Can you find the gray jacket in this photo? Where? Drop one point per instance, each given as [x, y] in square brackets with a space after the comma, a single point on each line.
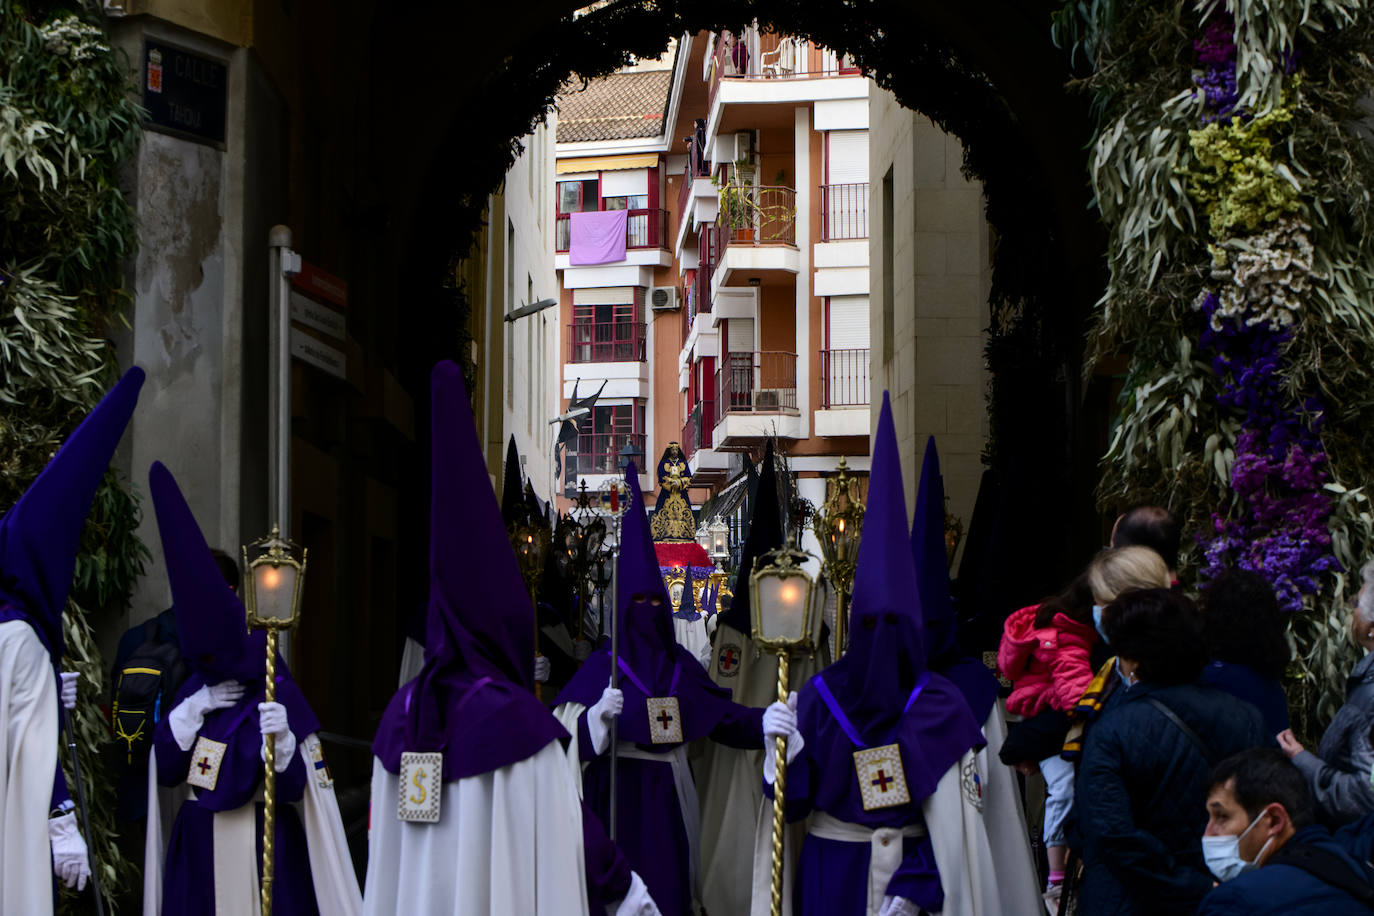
[1339, 773]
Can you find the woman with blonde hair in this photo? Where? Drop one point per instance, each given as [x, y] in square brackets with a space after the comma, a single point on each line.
[1115, 571]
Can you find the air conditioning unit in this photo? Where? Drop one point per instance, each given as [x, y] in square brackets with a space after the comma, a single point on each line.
[767, 398]
[744, 142]
[664, 298]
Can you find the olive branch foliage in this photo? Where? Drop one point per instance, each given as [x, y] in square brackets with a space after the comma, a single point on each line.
[1303, 68]
[67, 125]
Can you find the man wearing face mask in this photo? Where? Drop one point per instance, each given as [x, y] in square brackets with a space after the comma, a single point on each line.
[1264, 845]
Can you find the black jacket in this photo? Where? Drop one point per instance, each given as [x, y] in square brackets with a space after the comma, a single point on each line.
[1141, 797]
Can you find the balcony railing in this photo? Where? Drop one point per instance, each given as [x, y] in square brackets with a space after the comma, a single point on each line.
[696, 432]
[606, 342]
[762, 381]
[708, 251]
[844, 211]
[752, 55]
[844, 378]
[599, 453]
[697, 167]
[643, 229]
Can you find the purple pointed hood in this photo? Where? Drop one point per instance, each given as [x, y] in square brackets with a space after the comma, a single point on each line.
[472, 700]
[647, 645]
[687, 607]
[886, 653]
[40, 534]
[881, 685]
[212, 627]
[943, 651]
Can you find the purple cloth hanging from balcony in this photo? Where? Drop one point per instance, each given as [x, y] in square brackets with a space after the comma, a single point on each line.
[598, 237]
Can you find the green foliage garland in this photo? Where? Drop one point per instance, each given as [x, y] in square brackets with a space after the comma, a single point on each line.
[67, 124]
[1192, 200]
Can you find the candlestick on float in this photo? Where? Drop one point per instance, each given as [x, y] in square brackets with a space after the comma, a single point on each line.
[838, 526]
[786, 621]
[273, 580]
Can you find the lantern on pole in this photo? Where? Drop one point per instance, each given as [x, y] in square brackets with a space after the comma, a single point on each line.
[786, 621]
[272, 597]
[530, 541]
[838, 526]
[719, 533]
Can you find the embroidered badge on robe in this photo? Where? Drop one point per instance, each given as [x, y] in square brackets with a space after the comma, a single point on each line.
[323, 778]
[665, 720]
[728, 659]
[882, 781]
[421, 785]
[972, 783]
[206, 758]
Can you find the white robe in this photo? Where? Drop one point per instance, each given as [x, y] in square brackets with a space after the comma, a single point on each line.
[508, 841]
[730, 780]
[235, 846]
[28, 747]
[976, 831]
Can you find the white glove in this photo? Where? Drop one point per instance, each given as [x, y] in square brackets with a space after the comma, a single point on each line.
[899, 906]
[780, 721]
[600, 715]
[272, 721]
[69, 859]
[541, 668]
[69, 679]
[189, 715]
[582, 650]
[637, 901]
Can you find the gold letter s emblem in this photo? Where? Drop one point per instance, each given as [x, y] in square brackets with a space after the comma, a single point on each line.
[419, 775]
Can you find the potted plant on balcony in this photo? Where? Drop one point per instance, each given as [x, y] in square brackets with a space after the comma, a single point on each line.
[741, 208]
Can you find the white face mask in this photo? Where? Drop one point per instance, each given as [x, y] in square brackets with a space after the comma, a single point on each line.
[1222, 853]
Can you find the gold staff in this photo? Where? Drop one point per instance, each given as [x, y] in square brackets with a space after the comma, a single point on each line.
[785, 621]
[272, 596]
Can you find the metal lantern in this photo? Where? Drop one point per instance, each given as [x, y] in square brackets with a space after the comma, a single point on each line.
[631, 452]
[785, 620]
[273, 580]
[704, 537]
[838, 527]
[531, 545]
[720, 539]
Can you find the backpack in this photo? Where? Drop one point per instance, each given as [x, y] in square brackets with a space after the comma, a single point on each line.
[144, 689]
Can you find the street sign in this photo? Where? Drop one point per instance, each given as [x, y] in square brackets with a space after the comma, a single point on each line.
[317, 353]
[322, 318]
[185, 93]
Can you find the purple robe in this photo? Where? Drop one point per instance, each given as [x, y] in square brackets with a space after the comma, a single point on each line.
[651, 830]
[188, 879]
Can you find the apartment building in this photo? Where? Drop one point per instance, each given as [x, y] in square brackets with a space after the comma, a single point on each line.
[713, 259]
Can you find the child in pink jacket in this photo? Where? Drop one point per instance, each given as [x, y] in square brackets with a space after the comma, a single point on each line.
[1045, 653]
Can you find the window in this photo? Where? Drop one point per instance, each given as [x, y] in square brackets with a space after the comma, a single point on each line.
[632, 202]
[599, 444]
[578, 196]
[609, 332]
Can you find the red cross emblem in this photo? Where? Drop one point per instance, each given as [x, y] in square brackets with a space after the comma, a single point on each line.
[882, 781]
[664, 718]
[729, 659]
[204, 765]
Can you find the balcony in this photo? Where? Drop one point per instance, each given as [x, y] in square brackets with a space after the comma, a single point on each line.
[844, 211]
[606, 342]
[763, 381]
[769, 56]
[599, 453]
[696, 432]
[643, 229]
[697, 167]
[757, 232]
[844, 378]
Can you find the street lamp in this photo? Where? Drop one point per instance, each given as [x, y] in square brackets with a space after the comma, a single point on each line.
[838, 526]
[272, 598]
[631, 452]
[785, 620]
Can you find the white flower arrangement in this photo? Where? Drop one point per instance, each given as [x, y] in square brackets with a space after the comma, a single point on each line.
[73, 39]
[1270, 272]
